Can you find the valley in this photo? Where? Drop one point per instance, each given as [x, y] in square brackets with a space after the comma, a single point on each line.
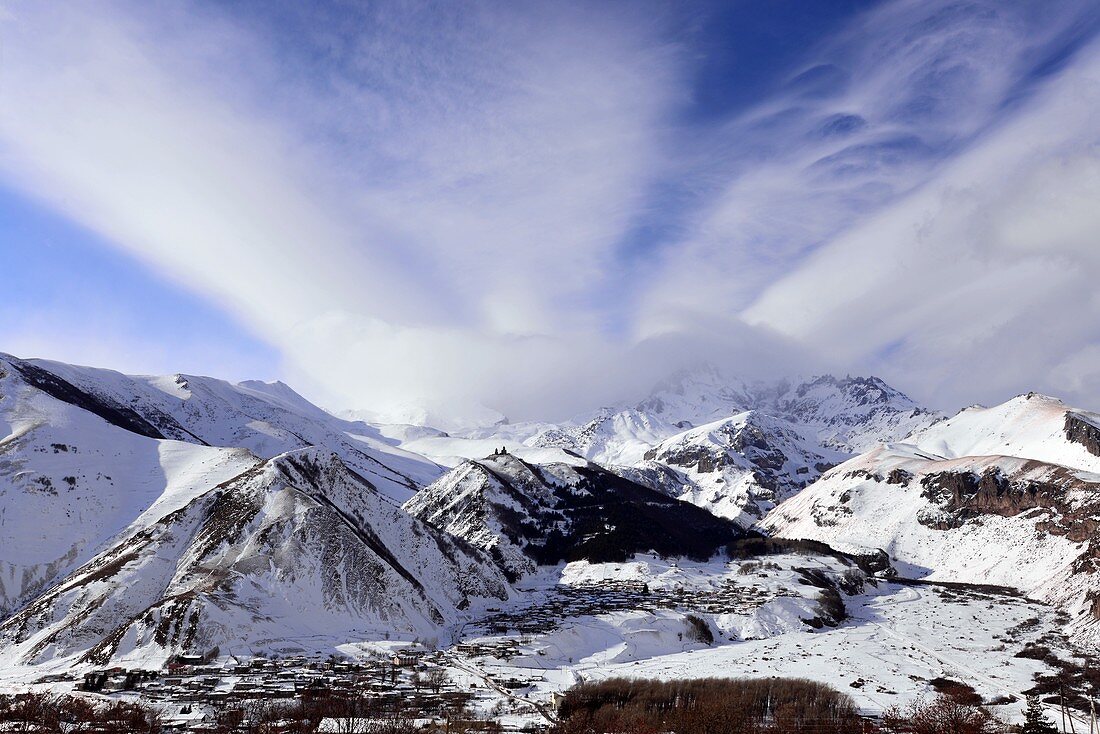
[222, 546]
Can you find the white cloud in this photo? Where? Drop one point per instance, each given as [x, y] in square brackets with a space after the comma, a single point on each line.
[981, 283]
[868, 118]
[465, 179]
[431, 204]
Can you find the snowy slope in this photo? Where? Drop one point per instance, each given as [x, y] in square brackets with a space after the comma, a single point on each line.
[268, 419]
[814, 423]
[898, 640]
[296, 553]
[526, 514]
[1032, 426]
[70, 481]
[612, 437]
[741, 467]
[1000, 495]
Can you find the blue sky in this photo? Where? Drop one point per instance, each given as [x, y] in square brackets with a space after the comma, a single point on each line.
[66, 283]
[539, 206]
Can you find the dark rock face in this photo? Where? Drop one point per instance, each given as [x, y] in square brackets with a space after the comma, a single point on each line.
[750, 441]
[899, 476]
[690, 457]
[654, 475]
[1036, 486]
[988, 493]
[612, 518]
[1080, 430]
[594, 515]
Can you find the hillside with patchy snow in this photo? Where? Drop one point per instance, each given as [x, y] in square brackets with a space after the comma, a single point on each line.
[1008, 495]
[267, 419]
[526, 514]
[119, 542]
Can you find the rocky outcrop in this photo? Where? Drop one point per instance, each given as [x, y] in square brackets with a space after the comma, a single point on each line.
[965, 495]
[526, 514]
[1080, 429]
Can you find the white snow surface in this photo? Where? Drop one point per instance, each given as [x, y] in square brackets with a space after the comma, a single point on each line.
[1022, 440]
[814, 423]
[898, 638]
[268, 419]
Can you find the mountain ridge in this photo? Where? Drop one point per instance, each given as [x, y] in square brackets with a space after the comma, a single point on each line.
[196, 506]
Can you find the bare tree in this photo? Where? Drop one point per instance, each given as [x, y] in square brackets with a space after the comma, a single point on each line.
[942, 715]
[436, 679]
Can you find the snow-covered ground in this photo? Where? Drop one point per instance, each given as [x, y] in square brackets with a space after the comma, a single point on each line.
[123, 499]
[1031, 528]
[898, 637]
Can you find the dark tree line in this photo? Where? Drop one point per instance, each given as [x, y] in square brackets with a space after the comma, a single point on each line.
[771, 706]
[708, 706]
[46, 713]
[355, 713]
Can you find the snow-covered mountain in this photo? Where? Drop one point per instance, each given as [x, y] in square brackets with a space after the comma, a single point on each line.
[76, 471]
[183, 508]
[731, 447]
[294, 545]
[738, 467]
[145, 516]
[850, 414]
[141, 517]
[1008, 495]
[268, 419]
[117, 541]
[526, 514]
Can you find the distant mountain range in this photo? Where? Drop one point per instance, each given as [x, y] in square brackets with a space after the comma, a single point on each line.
[142, 516]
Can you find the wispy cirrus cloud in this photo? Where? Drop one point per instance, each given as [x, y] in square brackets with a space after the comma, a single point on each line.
[519, 206]
[866, 118]
[982, 282]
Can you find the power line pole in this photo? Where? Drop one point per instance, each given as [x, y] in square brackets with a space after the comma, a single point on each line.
[1065, 711]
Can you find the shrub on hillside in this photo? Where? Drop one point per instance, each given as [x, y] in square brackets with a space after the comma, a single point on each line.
[942, 715]
[699, 629]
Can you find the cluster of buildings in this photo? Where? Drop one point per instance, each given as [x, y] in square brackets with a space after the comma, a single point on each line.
[412, 679]
[197, 688]
[578, 600]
